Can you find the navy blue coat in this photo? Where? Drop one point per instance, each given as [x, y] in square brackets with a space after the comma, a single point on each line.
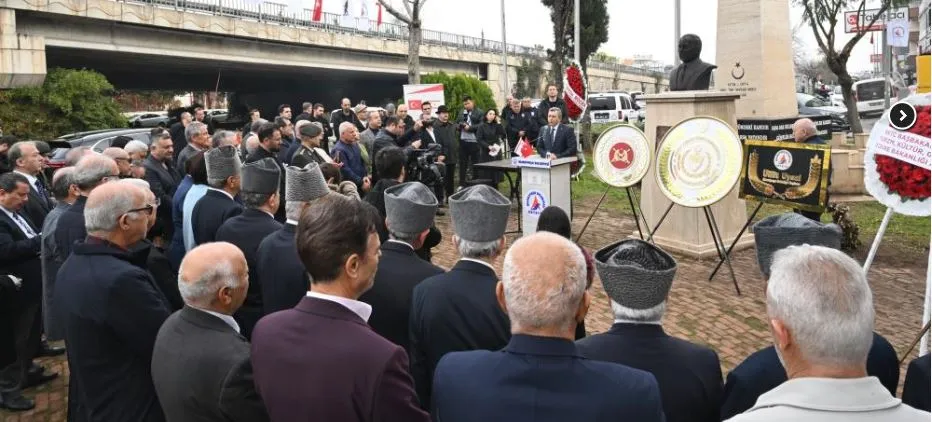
[916, 387]
[261, 153]
[112, 311]
[19, 256]
[246, 231]
[452, 312]
[689, 375]
[400, 271]
[283, 279]
[210, 213]
[762, 372]
[541, 379]
[70, 228]
[564, 145]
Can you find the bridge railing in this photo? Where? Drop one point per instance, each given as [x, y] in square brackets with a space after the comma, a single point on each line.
[277, 13]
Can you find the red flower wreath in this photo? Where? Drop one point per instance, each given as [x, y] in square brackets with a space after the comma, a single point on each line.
[902, 178]
[574, 80]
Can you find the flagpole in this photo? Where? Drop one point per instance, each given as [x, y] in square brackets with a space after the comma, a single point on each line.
[505, 87]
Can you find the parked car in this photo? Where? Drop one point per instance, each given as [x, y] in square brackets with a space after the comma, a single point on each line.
[150, 120]
[869, 95]
[611, 107]
[814, 106]
[97, 140]
[838, 100]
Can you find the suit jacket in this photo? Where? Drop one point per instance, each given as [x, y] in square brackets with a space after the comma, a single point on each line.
[37, 207]
[916, 386]
[283, 280]
[163, 181]
[762, 372]
[831, 400]
[563, 145]
[400, 271]
[201, 370]
[210, 213]
[541, 379]
[19, 256]
[451, 312]
[689, 375]
[112, 311]
[246, 231]
[70, 228]
[51, 261]
[261, 153]
[354, 375]
[160, 268]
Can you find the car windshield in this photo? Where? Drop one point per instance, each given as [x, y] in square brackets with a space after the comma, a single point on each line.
[601, 103]
[810, 101]
[869, 91]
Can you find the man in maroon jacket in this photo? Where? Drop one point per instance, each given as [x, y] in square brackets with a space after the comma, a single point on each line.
[321, 360]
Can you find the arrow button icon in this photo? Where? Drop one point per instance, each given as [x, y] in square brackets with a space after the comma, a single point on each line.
[902, 116]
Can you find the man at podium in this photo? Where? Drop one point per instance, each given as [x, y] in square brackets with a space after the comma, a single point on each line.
[556, 139]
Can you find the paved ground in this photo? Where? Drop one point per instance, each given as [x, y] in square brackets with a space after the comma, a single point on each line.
[705, 312]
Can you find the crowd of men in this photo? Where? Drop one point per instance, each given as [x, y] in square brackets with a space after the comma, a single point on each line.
[226, 283]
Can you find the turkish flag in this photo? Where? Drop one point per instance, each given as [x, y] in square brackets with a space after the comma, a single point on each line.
[524, 148]
[378, 19]
[318, 10]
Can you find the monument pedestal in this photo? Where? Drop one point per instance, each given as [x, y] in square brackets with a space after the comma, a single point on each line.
[685, 230]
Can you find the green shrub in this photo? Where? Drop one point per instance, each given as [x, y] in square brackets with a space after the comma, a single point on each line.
[69, 101]
[455, 87]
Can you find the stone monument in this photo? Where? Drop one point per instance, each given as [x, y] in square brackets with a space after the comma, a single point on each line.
[692, 74]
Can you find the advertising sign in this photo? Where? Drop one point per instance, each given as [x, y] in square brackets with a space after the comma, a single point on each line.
[786, 173]
[415, 95]
[855, 22]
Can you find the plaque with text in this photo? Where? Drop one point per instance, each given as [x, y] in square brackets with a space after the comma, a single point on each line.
[786, 173]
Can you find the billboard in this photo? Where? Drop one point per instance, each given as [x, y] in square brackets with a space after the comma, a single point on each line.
[415, 95]
[786, 173]
[855, 22]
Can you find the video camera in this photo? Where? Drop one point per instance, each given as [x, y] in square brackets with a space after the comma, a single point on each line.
[423, 167]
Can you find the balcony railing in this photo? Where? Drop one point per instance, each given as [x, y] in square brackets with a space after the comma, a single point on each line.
[276, 13]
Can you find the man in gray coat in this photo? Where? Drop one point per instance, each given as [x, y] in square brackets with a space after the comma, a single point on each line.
[200, 362]
[52, 259]
[821, 316]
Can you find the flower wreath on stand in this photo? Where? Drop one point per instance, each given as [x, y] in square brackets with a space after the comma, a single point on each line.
[574, 95]
[896, 163]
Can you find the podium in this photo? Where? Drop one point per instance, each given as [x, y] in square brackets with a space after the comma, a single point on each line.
[543, 183]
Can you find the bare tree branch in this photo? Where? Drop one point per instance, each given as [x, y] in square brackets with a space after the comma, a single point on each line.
[815, 26]
[392, 11]
[846, 51]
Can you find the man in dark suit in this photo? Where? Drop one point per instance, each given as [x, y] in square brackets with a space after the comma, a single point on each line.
[762, 371]
[469, 151]
[457, 310]
[556, 140]
[355, 374]
[224, 172]
[282, 278]
[637, 277]
[270, 143]
[200, 364]
[90, 172]
[112, 309]
[540, 375]
[916, 387]
[179, 140]
[410, 209]
[20, 309]
[27, 162]
[163, 180]
[246, 231]
[65, 194]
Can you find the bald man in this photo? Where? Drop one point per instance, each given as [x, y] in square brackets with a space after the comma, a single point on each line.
[111, 309]
[200, 365]
[122, 159]
[540, 372]
[806, 132]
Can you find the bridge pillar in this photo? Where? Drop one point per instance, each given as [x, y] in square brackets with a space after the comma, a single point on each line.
[22, 56]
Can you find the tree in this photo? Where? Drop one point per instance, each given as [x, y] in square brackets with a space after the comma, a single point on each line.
[529, 75]
[593, 33]
[823, 16]
[411, 18]
[455, 87]
[814, 69]
[68, 101]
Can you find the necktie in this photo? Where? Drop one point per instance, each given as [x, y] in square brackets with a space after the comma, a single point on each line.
[24, 226]
[43, 192]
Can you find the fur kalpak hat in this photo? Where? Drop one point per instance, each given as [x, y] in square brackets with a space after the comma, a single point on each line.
[410, 207]
[305, 184]
[781, 231]
[222, 163]
[261, 176]
[635, 273]
[480, 213]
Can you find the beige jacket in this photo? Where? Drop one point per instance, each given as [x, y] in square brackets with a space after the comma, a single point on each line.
[831, 400]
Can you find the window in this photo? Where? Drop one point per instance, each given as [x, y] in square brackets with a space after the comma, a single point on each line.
[869, 91]
[601, 103]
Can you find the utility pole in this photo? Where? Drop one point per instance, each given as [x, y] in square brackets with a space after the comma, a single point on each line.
[885, 68]
[676, 32]
[505, 87]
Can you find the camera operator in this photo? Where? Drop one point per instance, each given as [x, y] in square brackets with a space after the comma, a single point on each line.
[393, 134]
[444, 132]
[436, 157]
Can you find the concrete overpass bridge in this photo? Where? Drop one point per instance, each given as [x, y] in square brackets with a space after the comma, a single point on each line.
[239, 46]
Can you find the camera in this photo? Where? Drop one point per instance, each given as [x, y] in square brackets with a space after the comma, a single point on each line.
[423, 167]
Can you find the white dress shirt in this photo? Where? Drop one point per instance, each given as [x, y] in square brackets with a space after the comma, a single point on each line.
[226, 318]
[364, 310]
[21, 223]
[32, 179]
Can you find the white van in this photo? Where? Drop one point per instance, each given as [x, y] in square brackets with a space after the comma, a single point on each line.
[869, 95]
[609, 107]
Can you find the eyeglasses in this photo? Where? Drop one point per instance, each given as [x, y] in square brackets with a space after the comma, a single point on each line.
[147, 209]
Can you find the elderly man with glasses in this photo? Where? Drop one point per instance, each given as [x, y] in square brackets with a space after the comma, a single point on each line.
[112, 309]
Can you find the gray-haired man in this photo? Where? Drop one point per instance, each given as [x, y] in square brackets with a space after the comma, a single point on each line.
[65, 193]
[197, 140]
[224, 172]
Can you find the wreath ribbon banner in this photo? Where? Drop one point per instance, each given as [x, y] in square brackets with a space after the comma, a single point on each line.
[903, 146]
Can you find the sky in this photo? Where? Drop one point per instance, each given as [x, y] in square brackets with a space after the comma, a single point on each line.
[635, 26]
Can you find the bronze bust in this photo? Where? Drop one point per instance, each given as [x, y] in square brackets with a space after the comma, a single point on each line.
[693, 74]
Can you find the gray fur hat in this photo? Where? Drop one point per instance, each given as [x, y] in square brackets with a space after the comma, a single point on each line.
[261, 176]
[305, 184]
[222, 163]
[410, 207]
[780, 231]
[635, 274]
[480, 213]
